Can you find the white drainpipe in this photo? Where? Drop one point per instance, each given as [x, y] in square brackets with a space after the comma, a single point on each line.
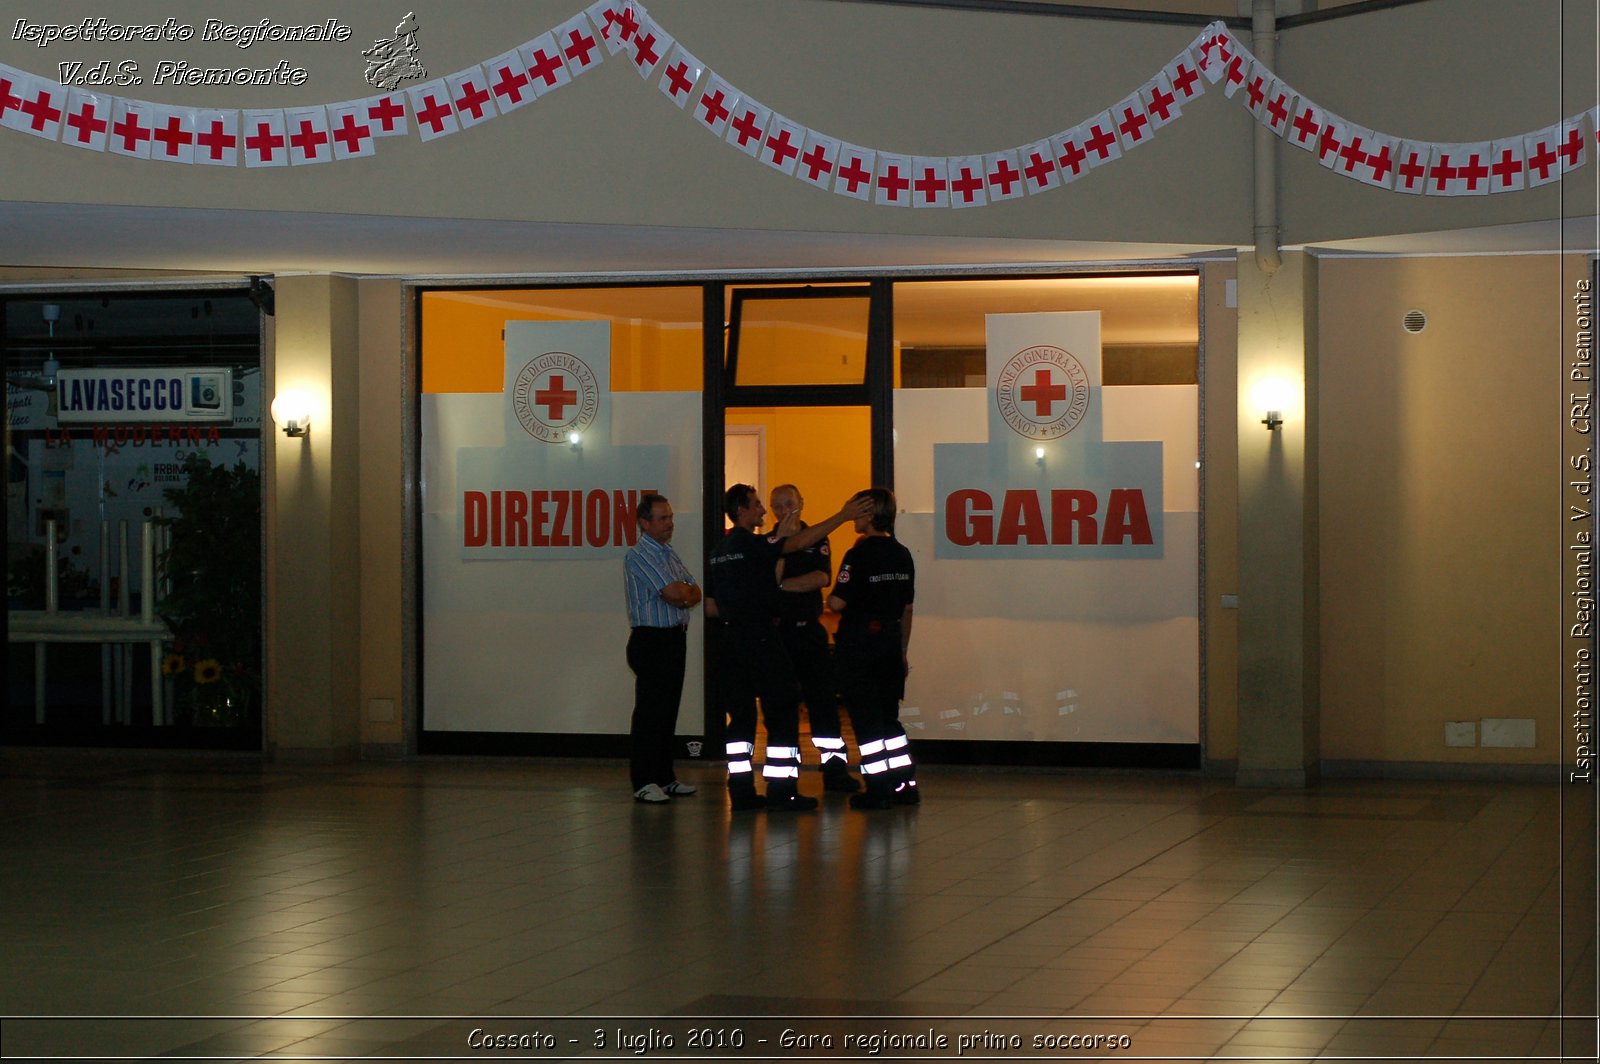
[1263, 41]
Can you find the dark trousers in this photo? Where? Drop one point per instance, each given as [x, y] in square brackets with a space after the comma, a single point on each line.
[872, 679]
[656, 656]
[753, 665]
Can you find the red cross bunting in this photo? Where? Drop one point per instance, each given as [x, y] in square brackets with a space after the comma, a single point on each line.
[217, 139]
[1257, 91]
[41, 110]
[1184, 78]
[350, 133]
[1351, 155]
[308, 139]
[1507, 168]
[1072, 157]
[1039, 169]
[510, 85]
[1412, 169]
[645, 54]
[1442, 173]
[173, 136]
[1473, 170]
[1571, 149]
[1161, 103]
[1328, 144]
[1133, 124]
[781, 148]
[1380, 164]
[577, 49]
[1234, 73]
[557, 397]
[1307, 126]
[433, 113]
[8, 102]
[677, 75]
[930, 184]
[1542, 160]
[853, 174]
[85, 122]
[546, 66]
[472, 99]
[892, 182]
[385, 111]
[968, 184]
[1004, 175]
[1100, 142]
[264, 143]
[716, 108]
[132, 130]
[745, 126]
[816, 160]
[1278, 109]
[1041, 393]
[627, 24]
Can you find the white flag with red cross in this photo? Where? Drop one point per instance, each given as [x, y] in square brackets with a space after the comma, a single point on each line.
[892, 180]
[858, 168]
[1099, 141]
[509, 83]
[265, 140]
[430, 105]
[1411, 167]
[781, 143]
[680, 76]
[131, 129]
[43, 107]
[386, 113]
[470, 95]
[968, 181]
[1183, 75]
[1257, 80]
[1278, 110]
[1378, 156]
[1508, 166]
[216, 137]
[1343, 147]
[1543, 161]
[1593, 115]
[1212, 51]
[1161, 103]
[1573, 144]
[578, 47]
[614, 22]
[546, 63]
[714, 109]
[930, 181]
[172, 134]
[819, 160]
[1071, 158]
[1002, 174]
[649, 47]
[1305, 128]
[310, 139]
[747, 125]
[1235, 70]
[88, 120]
[351, 130]
[1447, 171]
[1039, 171]
[1331, 141]
[1131, 123]
[13, 83]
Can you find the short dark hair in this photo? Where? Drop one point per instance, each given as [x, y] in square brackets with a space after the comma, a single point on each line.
[647, 505]
[884, 508]
[736, 499]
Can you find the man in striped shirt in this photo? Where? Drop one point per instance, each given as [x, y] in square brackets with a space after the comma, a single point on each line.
[661, 592]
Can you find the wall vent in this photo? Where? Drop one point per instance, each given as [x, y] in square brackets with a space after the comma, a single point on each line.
[1414, 321]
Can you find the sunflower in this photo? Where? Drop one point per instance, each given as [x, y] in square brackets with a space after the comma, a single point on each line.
[207, 671]
[173, 664]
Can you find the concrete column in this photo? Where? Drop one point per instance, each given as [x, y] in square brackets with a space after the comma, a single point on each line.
[313, 527]
[1279, 744]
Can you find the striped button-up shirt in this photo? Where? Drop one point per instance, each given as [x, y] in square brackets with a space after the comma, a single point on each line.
[649, 567]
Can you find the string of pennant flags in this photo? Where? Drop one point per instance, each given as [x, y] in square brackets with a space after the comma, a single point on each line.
[337, 132]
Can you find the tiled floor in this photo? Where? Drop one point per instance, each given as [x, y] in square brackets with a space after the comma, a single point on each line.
[527, 900]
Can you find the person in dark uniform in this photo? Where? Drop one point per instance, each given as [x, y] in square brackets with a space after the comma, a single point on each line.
[802, 576]
[873, 597]
[742, 592]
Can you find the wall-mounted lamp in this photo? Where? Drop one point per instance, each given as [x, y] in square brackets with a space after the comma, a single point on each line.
[575, 438]
[1273, 420]
[292, 410]
[1038, 456]
[1272, 395]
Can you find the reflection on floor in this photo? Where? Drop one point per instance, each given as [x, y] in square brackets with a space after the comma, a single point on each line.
[421, 908]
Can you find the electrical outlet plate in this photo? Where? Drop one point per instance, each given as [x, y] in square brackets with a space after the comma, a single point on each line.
[1460, 733]
[1507, 731]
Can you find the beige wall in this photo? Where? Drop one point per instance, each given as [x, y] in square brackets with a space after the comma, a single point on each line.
[1441, 526]
[1220, 514]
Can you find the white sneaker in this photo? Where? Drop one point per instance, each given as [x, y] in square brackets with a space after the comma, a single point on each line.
[650, 792]
[676, 789]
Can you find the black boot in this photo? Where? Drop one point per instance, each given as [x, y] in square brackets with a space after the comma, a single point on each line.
[785, 795]
[836, 779]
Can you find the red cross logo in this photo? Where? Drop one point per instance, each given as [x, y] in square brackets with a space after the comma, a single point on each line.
[384, 112]
[472, 99]
[1185, 80]
[308, 139]
[173, 136]
[1507, 168]
[217, 139]
[557, 397]
[1352, 155]
[1306, 126]
[1099, 142]
[1236, 70]
[1161, 103]
[1072, 157]
[1038, 169]
[132, 131]
[40, 110]
[547, 67]
[1042, 393]
[433, 113]
[716, 109]
[678, 82]
[510, 85]
[264, 143]
[1412, 169]
[1133, 123]
[1004, 175]
[1572, 147]
[892, 183]
[746, 127]
[579, 45]
[967, 184]
[1474, 171]
[1442, 172]
[1542, 160]
[930, 184]
[1381, 164]
[816, 160]
[781, 148]
[1328, 144]
[628, 23]
[1279, 109]
[1257, 92]
[8, 102]
[645, 54]
[854, 175]
[85, 122]
[350, 133]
